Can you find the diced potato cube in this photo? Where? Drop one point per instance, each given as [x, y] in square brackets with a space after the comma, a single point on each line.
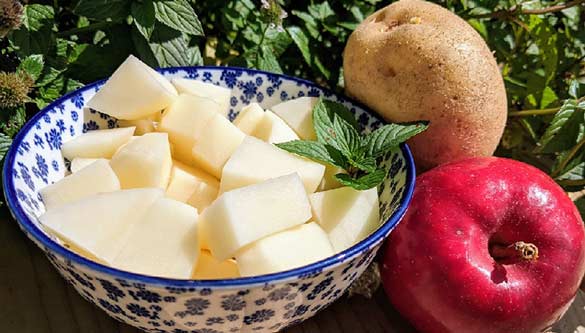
[192, 186]
[80, 163]
[97, 144]
[134, 91]
[347, 215]
[249, 118]
[292, 248]
[329, 181]
[95, 178]
[272, 129]
[216, 143]
[209, 268]
[164, 243]
[298, 114]
[218, 94]
[184, 121]
[143, 126]
[144, 162]
[100, 224]
[255, 161]
[242, 216]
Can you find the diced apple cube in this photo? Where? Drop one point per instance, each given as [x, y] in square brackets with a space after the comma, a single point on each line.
[218, 94]
[255, 161]
[80, 163]
[298, 114]
[192, 186]
[292, 248]
[163, 243]
[142, 126]
[242, 216]
[249, 118]
[134, 91]
[95, 178]
[272, 129]
[329, 181]
[347, 215]
[215, 144]
[100, 224]
[144, 162]
[184, 121]
[97, 144]
[209, 268]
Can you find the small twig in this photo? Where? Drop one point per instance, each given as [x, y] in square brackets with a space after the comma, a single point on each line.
[515, 11]
[568, 158]
[536, 112]
[571, 182]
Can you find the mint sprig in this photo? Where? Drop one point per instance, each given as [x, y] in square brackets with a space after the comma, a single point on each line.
[339, 143]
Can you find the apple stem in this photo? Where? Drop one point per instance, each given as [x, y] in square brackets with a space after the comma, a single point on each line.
[518, 250]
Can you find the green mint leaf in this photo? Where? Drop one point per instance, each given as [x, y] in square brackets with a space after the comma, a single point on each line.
[366, 163]
[12, 121]
[5, 142]
[580, 203]
[179, 15]
[267, 60]
[311, 149]
[389, 136]
[333, 128]
[564, 129]
[301, 40]
[575, 89]
[548, 97]
[115, 10]
[36, 35]
[32, 65]
[364, 182]
[144, 17]
[166, 47]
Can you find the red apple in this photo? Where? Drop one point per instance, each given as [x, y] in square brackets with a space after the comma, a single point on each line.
[487, 245]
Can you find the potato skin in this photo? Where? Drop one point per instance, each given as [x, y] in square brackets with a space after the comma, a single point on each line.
[414, 60]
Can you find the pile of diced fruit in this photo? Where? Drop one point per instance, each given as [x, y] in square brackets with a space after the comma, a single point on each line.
[179, 191]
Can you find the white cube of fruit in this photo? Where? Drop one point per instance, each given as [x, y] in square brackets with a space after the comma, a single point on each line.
[164, 243]
[216, 143]
[255, 161]
[209, 268]
[100, 224]
[134, 91]
[184, 121]
[298, 114]
[272, 129]
[97, 144]
[346, 214]
[329, 181]
[249, 118]
[142, 126]
[144, 162]
[80, 163]
[192, 186]
[242, 216]
[292, 248]
[218, 94]
[95, 178]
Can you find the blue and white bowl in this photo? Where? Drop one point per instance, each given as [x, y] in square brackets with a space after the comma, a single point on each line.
[264, 303]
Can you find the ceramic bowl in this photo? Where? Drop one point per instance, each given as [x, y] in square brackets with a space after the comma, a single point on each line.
[266, 303]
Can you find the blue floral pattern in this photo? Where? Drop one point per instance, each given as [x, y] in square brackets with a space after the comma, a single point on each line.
[183, 307]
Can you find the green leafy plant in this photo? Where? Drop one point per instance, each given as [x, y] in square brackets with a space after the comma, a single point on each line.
[340, 143]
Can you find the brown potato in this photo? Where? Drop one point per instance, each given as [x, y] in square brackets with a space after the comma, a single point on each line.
[414, 60]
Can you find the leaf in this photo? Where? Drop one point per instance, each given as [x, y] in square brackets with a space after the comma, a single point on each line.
[12, 120]
[179, 15]
[267, 60]
[144, 17]
[548, 97]
[310, 149]
[5, 142]
[580, 203]
[389, 136]
[167, 47]
[32, 65]
[575, 89]
[35, 36]
[563, 130]
[332, 129]
[115, 10]
[364, 163]
[364, 182]
[301, 40]
[321, 11]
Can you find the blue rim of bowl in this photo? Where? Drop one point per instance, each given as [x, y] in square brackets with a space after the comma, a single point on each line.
[51, 245]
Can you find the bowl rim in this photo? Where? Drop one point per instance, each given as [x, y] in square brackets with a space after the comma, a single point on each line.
[50, 245]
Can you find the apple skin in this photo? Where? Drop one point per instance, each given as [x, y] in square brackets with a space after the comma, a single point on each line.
[437, 268]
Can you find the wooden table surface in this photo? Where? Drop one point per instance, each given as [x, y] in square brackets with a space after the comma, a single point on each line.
[35, 299]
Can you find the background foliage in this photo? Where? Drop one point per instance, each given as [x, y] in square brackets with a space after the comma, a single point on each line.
[51, 47]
